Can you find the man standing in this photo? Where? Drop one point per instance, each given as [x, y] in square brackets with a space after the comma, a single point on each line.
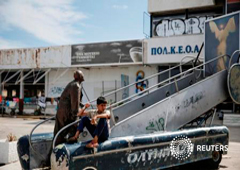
[68, 107]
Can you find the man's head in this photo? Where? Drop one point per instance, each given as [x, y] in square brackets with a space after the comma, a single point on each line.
[101, 104]
[78, 76]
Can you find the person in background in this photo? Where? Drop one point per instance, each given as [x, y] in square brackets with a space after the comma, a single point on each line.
[68, 107]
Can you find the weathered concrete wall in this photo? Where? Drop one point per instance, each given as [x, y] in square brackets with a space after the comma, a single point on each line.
[95, 76]
[48, 57]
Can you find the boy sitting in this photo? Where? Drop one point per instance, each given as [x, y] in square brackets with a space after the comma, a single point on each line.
[96, 121]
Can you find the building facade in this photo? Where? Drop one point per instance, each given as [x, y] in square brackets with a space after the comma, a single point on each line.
[176, 36]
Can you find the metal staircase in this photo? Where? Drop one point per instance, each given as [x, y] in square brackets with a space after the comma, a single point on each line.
[170, 104]
[129, 106]
[176, 110]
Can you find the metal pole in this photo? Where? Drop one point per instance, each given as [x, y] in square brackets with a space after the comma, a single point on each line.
[5, 81]
[2, 99]
[115, 90]
[198, 54]
[46, 72]
[86, 96]
[213, 116]
[1, 90]
[233, 110]
[169, 73]
[112, 116]
[103, 88]
[21, 102]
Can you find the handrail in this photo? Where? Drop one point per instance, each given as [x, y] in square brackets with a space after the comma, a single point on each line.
[65, 127]
[173, 77]
[230, 61]
[149, 77]
[193, 64]
[162, 82]
[190, 56]
[30, 135]
[192, 69]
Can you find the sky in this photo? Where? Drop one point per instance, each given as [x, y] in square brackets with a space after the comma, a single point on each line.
[43, 23]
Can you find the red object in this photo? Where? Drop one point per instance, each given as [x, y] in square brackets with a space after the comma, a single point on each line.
[231, 1]
[16, 99]
[20, 105]
[0, 98]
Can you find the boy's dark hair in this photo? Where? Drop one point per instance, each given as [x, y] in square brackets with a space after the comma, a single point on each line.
[101, 100]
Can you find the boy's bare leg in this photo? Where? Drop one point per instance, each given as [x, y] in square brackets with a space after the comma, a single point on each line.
[95, 139]
[93, 143]
[75, 137]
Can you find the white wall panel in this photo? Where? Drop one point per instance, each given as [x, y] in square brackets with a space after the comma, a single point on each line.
[170, 5]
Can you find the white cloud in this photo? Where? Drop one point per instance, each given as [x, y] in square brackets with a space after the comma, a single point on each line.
[10, 44]
[49, 20]
[120, 6]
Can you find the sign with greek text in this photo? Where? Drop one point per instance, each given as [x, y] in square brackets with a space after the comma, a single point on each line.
[119, 52]
[171, 49]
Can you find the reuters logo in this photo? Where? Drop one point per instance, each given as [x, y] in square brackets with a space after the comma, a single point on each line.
[181, 147]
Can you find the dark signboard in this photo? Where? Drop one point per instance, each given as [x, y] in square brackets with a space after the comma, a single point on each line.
[221, 37]
[120, 52]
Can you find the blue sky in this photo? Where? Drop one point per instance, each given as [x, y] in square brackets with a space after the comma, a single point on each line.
[42, 23]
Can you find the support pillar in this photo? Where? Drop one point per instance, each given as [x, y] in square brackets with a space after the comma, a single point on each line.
[21, 97]
[46, 85]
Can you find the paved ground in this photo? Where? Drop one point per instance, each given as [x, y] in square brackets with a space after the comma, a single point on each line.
[23, 126]
[20, 127]
[231, 161]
